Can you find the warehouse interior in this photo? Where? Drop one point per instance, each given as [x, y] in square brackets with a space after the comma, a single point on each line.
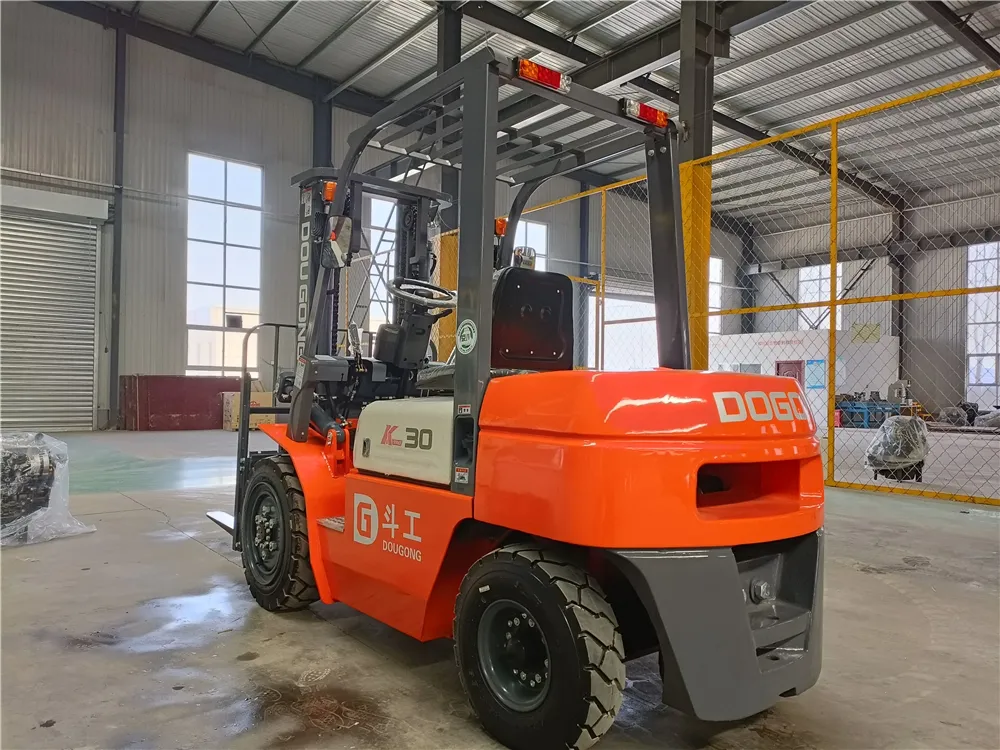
[843, 156]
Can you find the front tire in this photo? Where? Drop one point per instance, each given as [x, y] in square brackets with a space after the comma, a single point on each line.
[275, 538]
[571, 640]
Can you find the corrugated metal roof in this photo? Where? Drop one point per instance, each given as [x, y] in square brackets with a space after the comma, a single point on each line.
[818, 61]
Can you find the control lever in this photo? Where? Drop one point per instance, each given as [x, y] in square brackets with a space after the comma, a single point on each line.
[355, 338]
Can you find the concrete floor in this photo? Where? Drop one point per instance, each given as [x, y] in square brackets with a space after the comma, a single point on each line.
[143, 634]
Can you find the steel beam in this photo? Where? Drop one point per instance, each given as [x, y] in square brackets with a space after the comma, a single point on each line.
[958, 29]
[322, 132]
[252, 66]
[449, 54]
[697, 77]
[203, 17]
[399, 44]
[746, 15]
[475, 46]
[583, 159]
[896, 247]
[270, 25]
[336, 34]
[118, 168]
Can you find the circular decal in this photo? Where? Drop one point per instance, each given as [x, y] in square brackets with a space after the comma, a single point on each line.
[465, 336]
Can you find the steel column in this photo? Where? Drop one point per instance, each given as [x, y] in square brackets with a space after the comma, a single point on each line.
[322, 132]
[583, 325]
[121, 47]
[667, 248]
[449, 53]
[473, 336]
[697, 79]
[748, 297]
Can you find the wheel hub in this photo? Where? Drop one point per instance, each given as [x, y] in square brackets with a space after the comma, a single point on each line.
[264, 523]
[514, 656]
[265, 547]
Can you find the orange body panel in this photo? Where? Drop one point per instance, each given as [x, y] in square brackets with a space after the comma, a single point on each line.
[612, 459]
[390, 556]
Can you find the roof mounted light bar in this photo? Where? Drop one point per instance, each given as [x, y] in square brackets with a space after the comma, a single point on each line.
[644, 113]
[532, 71]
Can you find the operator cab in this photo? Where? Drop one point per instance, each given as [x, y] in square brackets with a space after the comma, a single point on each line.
[532, 328]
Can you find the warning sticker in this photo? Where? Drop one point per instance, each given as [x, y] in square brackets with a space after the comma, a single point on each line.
[462, 474]
[464, 410]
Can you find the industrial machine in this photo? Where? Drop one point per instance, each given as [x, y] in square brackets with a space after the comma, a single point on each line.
[555, 522]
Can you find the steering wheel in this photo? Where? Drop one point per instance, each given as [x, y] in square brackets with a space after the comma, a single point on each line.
[425, 295]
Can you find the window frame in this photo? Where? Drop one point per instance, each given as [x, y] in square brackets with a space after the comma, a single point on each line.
[822, 275]
[375, 279]
[715, 321]
[224, 246]
[522, 226]
[986, 255]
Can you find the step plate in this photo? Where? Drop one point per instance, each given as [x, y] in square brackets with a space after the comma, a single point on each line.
[336, 523]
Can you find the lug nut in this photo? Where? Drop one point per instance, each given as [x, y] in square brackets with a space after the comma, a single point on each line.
[538, 678]
[517, 620]
[523, 675]
[531, 623]
[761, 591]
[508, 636]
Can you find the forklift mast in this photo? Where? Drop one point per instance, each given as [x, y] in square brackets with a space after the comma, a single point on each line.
[416, 210]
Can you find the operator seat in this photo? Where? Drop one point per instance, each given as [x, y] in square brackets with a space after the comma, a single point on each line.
[532, 328]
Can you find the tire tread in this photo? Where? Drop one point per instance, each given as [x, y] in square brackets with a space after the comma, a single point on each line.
[298, 590]
[601, 645]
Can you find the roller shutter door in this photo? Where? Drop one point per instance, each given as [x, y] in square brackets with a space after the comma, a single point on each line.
[48, 324]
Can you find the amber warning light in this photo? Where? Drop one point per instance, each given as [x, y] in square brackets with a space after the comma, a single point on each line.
[500, 227]
[553, 79]
[645, 113]
[329, 191]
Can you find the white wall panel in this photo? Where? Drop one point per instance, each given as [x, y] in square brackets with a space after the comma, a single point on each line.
[177, 105]
[57, 95]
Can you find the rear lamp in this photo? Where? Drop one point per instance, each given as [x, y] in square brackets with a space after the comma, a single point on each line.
[644, 113]
[532, 71]
[329, 191]
[500, 227]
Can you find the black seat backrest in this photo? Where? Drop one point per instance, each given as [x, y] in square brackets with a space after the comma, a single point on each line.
[532, 320]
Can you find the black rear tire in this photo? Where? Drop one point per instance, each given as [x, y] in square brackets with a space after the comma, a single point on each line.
[586, 678]
[280, 577]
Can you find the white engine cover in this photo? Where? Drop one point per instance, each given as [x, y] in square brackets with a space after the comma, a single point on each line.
[407, 438]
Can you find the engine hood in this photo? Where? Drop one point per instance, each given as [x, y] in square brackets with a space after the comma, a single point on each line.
[662, 403]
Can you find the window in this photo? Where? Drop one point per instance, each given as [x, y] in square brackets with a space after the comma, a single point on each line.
[535, 235]
[380, 232]
[983, 332]
[814, 286]
[629, 333]
[223, 264]
[714, 294]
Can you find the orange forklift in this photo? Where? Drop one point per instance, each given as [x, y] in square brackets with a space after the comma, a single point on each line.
[555, 522]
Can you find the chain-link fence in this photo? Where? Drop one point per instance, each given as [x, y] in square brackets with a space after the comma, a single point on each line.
[870, 241]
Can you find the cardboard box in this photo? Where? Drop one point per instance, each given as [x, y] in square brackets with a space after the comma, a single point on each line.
[231, 408]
